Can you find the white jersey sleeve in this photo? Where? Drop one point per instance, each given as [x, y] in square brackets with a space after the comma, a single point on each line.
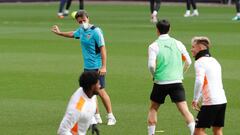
[185, 56]
[153, 50]
[200, 73]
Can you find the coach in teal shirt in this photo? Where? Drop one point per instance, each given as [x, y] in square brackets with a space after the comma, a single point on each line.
[91, 40]
[94, 56]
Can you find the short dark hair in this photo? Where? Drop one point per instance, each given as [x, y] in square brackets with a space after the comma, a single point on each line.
[163, 26]
[81, 13]
[87, 79]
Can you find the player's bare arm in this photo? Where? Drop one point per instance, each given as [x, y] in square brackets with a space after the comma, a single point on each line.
[103, 69]
[55, 29]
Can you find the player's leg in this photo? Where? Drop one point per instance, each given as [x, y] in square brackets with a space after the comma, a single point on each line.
[177, 95]
[60, 11]
[157, 98]
[157, 6]
[155, 11]
[81, 4]
[66, 12]
[219, 119]
[106, 102]
[152, 117]
[188, 10]
[238, 6]
[217, 131]
[152, 8]
[194, 6]
[188, 117]
[237, 17]
[199, 131]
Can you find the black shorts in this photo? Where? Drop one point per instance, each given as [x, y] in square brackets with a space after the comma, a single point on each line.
[101, 78]
[175, 91]
[211, 115]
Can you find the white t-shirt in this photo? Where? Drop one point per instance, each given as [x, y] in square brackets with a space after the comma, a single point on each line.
[81, 110]
[208, 83]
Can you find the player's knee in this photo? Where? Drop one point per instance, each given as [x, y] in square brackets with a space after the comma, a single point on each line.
[152, 121]
[217, 130]
[102, 93]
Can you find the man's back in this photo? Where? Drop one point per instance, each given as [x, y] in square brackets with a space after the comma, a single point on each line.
[169, 61]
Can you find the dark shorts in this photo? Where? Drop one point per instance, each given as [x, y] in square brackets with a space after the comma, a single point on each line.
[101, 78]
[211, 115]
[175, 91]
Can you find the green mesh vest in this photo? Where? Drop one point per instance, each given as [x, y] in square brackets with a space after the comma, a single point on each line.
[169, 66]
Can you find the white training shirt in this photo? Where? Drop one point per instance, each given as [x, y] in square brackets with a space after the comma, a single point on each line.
[208, 83]
[153, 51]
[81, 110]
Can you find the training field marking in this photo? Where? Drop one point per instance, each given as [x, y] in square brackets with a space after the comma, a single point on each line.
[160, 131]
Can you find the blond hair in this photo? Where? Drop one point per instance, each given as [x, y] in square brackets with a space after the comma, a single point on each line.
[201, 40]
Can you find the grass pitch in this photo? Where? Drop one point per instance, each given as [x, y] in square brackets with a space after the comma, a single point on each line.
[39, 70]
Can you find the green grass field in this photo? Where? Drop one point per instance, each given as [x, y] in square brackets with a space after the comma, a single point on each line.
[39, 70]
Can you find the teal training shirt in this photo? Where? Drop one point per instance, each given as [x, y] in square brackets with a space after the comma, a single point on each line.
[169, 65]
[91, 40]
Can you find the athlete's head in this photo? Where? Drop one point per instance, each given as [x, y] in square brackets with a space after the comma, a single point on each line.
[199, 44]
[82, 18]
[163, 26]
[81, 14]
[89, 82]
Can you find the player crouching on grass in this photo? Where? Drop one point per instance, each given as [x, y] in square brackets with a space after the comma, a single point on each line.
[82, 106]
[208, 85]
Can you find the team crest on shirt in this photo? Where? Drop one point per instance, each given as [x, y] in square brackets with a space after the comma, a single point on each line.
[88, 36]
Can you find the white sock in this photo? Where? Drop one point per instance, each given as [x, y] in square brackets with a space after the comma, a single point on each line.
[238, 14]
[151, 130]
[154, 13]
[191, 127]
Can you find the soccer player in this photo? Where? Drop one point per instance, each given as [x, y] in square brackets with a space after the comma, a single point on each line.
[82, 105]
[167, 60]
[209, 87]
[237, 17]
[62, 13]
[94, 55]
[194, 6]
[154, 7]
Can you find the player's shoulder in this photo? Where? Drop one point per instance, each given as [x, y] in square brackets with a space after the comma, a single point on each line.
[79, 90]
[179, 43]
[201, 62]
[153, 45]
[95, 28]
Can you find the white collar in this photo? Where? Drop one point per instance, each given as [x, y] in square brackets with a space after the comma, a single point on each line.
[164, 36]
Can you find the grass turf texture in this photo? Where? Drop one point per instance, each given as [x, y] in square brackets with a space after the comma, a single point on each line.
[39, 70]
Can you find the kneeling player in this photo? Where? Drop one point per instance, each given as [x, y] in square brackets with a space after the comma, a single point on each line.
[82, 105]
